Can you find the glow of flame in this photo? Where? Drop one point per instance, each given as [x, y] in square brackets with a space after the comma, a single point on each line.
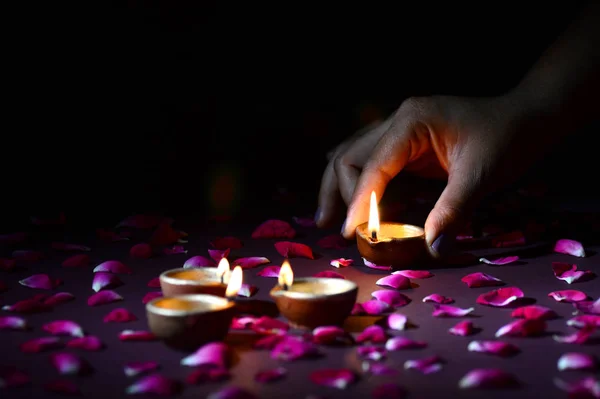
[223, 270]
[235, 282]
[286, 275]
[373, 225]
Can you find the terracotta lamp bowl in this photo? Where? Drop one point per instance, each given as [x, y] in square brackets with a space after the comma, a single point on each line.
[186, 322]
[312, 302]
[201, 280]
[398, 245]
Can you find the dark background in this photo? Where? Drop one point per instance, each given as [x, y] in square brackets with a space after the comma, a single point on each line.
[217, 108]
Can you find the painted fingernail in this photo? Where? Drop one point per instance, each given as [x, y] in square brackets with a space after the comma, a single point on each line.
[442, 245]
[343, 227]
[318, 215]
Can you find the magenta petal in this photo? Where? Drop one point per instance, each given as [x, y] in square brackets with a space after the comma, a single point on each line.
[580, 336]
[522, 328]
[487, 378]
[40, 281]
[334, 378]
[462, 329]
[331, 335]
[375, 307]
[588, 307]
[534, 312]
[500, 297]
[251, 262]
[371, 352]
[333, 241]
[475, 280]
[154, 283]
[374, 334]
[247, 290]
[388, 391]
[500, 261]
[136, 335]
[63, 327]
[79, 260]
[397, 321]
[63, 246]
[205, 374]
[357, 310]
[150, 296]
[269, 271]
[497, 348]
[372, 265]
[87, 343]
[59, 298]
[231, 392]
[577, 361]
[569, 273]
[141, 251]
[291, 348]
[268, 325]
[133, 369]
[213, 353]
[13, 323]
[41, 344]
[176, 249]
[584, 320]
[341, 262]
[274, 228]
[450, 311]
[329, 274]
[64, 387]
[198, 261]
[217, 254]
[396, 281]
[269, 342]
[155, 384]
[11, 377]
[586, 387]
[417, 274]
[69, 363]
[569, 247]
[437, 298]
[399, 343]
[391, 297]
[26, 306]
[427, 365]
[113, 266]
[377, 368]
[119, 315]
[272, 375]
[242, 322]
[104, 280]
[568, 296]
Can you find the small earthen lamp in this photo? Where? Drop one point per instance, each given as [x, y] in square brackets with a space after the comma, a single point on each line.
[311, 302]
[397, 245]
[200, 280]
[188, 321]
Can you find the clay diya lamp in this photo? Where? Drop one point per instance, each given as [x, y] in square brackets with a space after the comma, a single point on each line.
[188, 321]
[201, 280]
[311, 302]
[397, 245]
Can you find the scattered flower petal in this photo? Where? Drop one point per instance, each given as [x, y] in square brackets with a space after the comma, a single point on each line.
[341, 262]
[437, 298]
[377, 368]
[586, 387]
[272, 375]
[374, 334]
[497, 348]
[479, 279]
[584, 320]
[569, 247]
[396, 281]
[577, 361]
[104, 280]
[269, 271]
[588, 307]
[150, 296]
[375, 307]
[500, 261]
[136, 335]
[141, 251]
[27, 306]
[198, 261]
[207, 374]
[329, 274]
[63, 327]
[534, 312]
[372, 265]
[63, 246]
[156, 384]
[334, 378]
[331, 335]
[11, 377]
[64, 387]
[393, 298]
[427, 365]
[242, 322]
[165, 235]
[247, 290]
[113, 266]
[112, 236]
[87, 343]
[500, 297]
[487, 378]
[40, 281]
[250, 262]
[213, 353]
[103, 298]
[304, 222]
[217, 254]
[154, 283]
[289, 249]
[463, 328]
[508, 240]
[580, 336]
[450, 311]
[133, 369]
[334, 241]
[357, 310]
[79, 260]
[41, 344]
[522, 328]
[228, 242]
[231, 392]
[388, 391]
[374, 353]
[399, 343]
[416, 274]
[568, 296]
[69, 363]
[268, 325]
[27, 255]
[13, 323]
[119, 315]
[292, 348]
[397, 321]
[569, 273]
[274, 229]
[269, 342]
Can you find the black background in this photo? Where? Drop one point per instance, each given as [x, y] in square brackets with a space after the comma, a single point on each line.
[215, 108]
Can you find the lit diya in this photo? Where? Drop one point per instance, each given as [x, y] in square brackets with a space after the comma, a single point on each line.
[313, 301]
[397, 245]
[201, 280]
[189, 321]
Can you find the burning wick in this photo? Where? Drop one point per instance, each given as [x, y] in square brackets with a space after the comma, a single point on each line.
[235, 283]
[223, 269]
[373, 224]
[286, 275]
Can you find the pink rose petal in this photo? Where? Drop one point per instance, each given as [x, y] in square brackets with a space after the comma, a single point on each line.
[341, 262]
[231, 392]
[165, 234]
[154, 283]
[450, 311]
[150, 296]
[103, 298]
[462, 329]
[374, 334]
[63, 387]
[113, 266]
[500, 261]
[377, 368]
[155, 384]
[269, 342]
[375, 307]
[292, 348]
[7, 265]
[27, 255]
[522, 328]
[437, 298]
[133, 369]
[331, 335]
[242, 322]
[217, 254]
[304, 221]
[357, 310]
[509, 240]
[584, 320]
[41, 344]
[329, 274]
[63, 246]
[63, 327]
[585, 387]
[79, 260]
[141, 251]
[198, 261]
[389, 391]
[534, 312]
[478, 279]
[487, 378]
[396, 281]
[580, 336]
[40, 281]
[111, 236]
[500, 297]
[398, 343]
[588, 307]
[58, 299]
[87, 343]
[334, 241]
[251, 262]
[372, 265]
[13, 323]
[272, 375]
[141, 221]
[289, 249]
[205, 374]
[268, 325]
[247, 290]
[119, 315]
[104, 281]
[228, 242]
[577, 361]
[416, 274]
[497, 348]
[569, 247]
[27, 306]
[69, 364]
[269, 271]
[11, 377]
[393, 298]
[568, 296]
[569, 273]
[397, 321]
[274, 229]
[213, 353]
[427, 365]
[334, 378]
[136, 335]
[371, 352]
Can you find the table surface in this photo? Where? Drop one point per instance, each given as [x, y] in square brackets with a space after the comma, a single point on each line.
[535, 366]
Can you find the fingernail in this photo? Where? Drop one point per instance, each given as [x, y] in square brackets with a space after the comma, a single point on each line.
[318, 215]
[343, 227]
[442, 245]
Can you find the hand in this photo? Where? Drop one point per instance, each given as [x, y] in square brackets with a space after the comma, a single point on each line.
[479, 144]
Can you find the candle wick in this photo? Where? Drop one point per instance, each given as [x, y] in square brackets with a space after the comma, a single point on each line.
[374, 235]
[285, 287]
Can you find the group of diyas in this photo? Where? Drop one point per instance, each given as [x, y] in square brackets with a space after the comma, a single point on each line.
[198, 305]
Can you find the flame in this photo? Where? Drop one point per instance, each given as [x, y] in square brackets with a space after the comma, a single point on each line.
[373, 225]
[235, 282]
[286, 275]
[223, 270]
